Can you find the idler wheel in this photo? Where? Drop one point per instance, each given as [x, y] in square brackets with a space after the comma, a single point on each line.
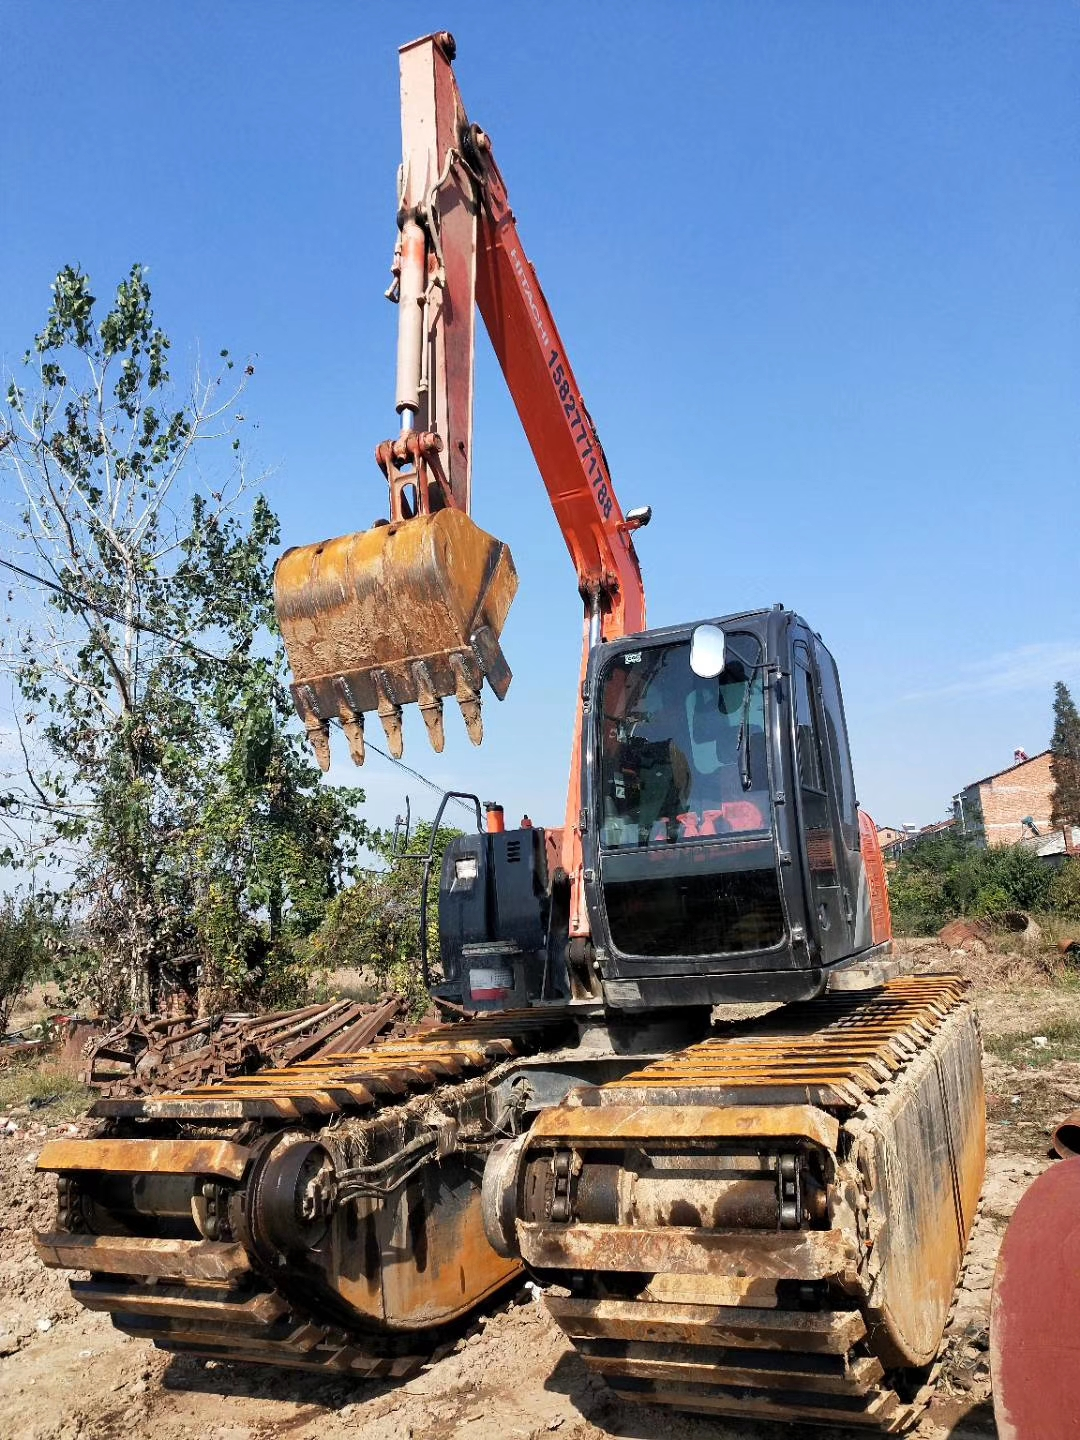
[292, 1197]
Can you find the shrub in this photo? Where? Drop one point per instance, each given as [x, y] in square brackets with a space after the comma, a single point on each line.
[373, 926]
[947, 877]
[1065, 889]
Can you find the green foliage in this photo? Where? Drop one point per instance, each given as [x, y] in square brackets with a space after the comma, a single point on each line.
[373, 927]
[1062, 1035]
[273, 849]
[25, 933]
[165, 773]
[946, 876]
[1065, 759]
[1065, 890]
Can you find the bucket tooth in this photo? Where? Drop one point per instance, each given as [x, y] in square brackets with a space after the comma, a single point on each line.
[389, 713]
[489, 652]
[353, 725]
[431, 706]
[467, 694]
[433, 719]
[470, 713]
[318, 734]
[350, 713]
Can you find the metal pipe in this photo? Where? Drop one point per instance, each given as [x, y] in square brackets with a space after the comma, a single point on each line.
[594, 620]
[429, 860]
[410, 348]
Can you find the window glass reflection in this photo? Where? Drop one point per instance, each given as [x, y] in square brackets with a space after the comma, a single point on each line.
[681, 757]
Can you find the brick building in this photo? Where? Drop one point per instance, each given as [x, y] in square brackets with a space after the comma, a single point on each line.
[996, 807]
[895, 842]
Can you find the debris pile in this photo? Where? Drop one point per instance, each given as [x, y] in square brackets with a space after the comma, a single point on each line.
[28, 1044]
[65, 1035]
[960, 934]
[146, 1055]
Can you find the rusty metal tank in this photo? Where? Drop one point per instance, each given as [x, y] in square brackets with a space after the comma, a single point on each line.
[1035, 1309]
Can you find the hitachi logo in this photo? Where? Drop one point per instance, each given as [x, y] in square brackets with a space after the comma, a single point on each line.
[529, 297]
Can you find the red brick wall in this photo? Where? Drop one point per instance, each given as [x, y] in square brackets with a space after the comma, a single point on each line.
[1008, 798]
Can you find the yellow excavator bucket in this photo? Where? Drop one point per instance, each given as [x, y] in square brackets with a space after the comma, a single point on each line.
[408, 611]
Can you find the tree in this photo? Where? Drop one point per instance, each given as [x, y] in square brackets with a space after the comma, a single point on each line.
[24, 949]
[274, 847]
[163, 772]
[1065, 759]
[373, 927]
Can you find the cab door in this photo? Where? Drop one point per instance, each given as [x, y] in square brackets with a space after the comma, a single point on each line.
[854, 891]
[825, 868]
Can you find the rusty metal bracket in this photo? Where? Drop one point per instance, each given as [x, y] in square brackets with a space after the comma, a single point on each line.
[411, 461]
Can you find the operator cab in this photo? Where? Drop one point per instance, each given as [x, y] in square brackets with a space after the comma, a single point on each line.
[724, 862]
[723, 850]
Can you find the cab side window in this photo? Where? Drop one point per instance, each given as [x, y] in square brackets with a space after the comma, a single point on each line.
[806, 736]
[839, 751]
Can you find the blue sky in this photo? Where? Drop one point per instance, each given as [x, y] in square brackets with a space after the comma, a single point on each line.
[815, 263]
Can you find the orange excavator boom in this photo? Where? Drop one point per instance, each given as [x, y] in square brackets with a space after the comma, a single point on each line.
[458, 248]
[411, 610]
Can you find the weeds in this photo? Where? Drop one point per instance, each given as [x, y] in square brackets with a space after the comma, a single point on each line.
[47, 1088]
[1062, 1036]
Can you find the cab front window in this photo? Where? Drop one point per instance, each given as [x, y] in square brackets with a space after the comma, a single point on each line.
[682, 758]
[687, 855]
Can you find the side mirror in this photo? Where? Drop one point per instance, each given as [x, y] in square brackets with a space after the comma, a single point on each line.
[707, 657]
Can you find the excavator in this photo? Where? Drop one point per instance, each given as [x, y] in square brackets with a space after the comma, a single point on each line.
[680, 1080]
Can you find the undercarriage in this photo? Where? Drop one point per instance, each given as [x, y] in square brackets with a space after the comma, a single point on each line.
[767, 1222]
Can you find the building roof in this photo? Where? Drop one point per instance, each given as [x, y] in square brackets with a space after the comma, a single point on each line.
[907, 838]
[1018, 765]
[935, 826]
[1051, 842]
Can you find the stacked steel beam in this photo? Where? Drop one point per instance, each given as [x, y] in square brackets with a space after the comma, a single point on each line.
[146, 1055]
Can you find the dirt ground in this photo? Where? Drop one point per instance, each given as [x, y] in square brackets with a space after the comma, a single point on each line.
[66, 1374]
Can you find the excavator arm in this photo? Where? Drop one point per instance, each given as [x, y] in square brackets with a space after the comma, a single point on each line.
[459, 248]
[411, 609]
[553, 415]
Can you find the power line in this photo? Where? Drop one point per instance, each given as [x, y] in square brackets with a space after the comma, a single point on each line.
[431, 784]
[84, 602]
